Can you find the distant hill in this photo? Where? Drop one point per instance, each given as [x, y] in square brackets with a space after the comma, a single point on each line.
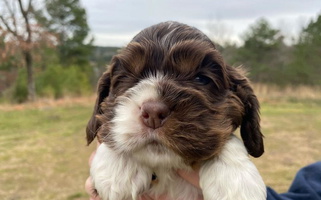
[101, 56]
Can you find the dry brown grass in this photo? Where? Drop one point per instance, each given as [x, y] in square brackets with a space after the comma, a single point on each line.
[44, 103]
[276, 93]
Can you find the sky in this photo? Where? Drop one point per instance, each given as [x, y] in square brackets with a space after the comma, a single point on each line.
[116, 22]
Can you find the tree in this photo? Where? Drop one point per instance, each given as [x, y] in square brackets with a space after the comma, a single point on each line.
[306, 66]
[17, 26]
[261, 50]
[21, 32]
[68, 20]
[311, 34]
[8, 54]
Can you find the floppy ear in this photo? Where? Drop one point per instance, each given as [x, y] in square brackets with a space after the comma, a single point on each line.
[103, 91]
[250, 126]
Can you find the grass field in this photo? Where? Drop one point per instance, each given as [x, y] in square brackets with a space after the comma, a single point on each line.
[43, 153]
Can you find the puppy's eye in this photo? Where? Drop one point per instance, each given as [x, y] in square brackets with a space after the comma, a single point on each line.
[204, 80]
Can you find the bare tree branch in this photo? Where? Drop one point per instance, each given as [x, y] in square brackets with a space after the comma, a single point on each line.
[29, 9]
[8, 26]
[12, 12]
[21, 8]
[25, 16]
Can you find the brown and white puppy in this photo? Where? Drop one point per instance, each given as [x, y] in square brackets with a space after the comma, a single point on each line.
[168, 101]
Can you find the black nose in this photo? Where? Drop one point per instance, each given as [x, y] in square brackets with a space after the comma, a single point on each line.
[154, 113]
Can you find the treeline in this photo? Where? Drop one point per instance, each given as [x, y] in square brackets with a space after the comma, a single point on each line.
[47, 51]
[269, 60]
[265, 55]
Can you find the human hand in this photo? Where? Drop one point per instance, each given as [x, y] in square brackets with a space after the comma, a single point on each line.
[88, 185]
[191, 177]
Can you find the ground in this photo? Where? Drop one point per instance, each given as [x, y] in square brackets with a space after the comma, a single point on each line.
[43, 152]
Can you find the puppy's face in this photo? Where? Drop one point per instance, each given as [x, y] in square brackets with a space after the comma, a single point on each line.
[170, 93]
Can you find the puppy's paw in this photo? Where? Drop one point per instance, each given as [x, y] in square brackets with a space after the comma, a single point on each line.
[232, 175]
[117, 177]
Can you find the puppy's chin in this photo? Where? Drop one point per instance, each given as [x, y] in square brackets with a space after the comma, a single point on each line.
[157, 155]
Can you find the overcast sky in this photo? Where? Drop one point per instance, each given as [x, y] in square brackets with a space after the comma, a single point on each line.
[115, 22]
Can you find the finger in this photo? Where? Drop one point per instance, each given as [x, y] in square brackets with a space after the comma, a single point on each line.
[91, 157]
[200, 198]
[147, 197]
[90, 190]
[94, 198]
[192, 177]
[88, 186]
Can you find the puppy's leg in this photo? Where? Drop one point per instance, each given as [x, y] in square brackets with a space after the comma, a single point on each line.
[232, 175]
[117, 177]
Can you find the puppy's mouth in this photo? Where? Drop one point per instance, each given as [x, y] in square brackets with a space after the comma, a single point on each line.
[154, 143]
[155, 146]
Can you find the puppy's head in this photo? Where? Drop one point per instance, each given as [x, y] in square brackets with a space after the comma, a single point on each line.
[169, 90]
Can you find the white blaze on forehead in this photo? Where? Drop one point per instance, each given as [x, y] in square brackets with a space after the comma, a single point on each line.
[127, 129]
[146, 89]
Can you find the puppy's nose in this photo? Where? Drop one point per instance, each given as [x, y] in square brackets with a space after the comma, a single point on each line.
[154, 113]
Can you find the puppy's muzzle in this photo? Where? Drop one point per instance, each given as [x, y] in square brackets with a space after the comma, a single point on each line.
[154, 113]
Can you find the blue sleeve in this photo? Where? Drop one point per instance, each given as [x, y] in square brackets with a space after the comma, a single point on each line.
[306, 185]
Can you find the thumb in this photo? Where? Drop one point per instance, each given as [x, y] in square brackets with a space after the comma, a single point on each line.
[191, 177]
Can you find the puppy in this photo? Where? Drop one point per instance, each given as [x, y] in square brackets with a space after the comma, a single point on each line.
[168, 101]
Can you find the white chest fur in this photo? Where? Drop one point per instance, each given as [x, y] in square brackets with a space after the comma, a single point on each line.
[230, 176]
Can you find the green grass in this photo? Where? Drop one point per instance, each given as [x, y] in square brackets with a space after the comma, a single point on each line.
[43, 152]
[292, 140]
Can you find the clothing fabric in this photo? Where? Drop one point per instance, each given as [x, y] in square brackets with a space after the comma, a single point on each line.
[305, 186]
